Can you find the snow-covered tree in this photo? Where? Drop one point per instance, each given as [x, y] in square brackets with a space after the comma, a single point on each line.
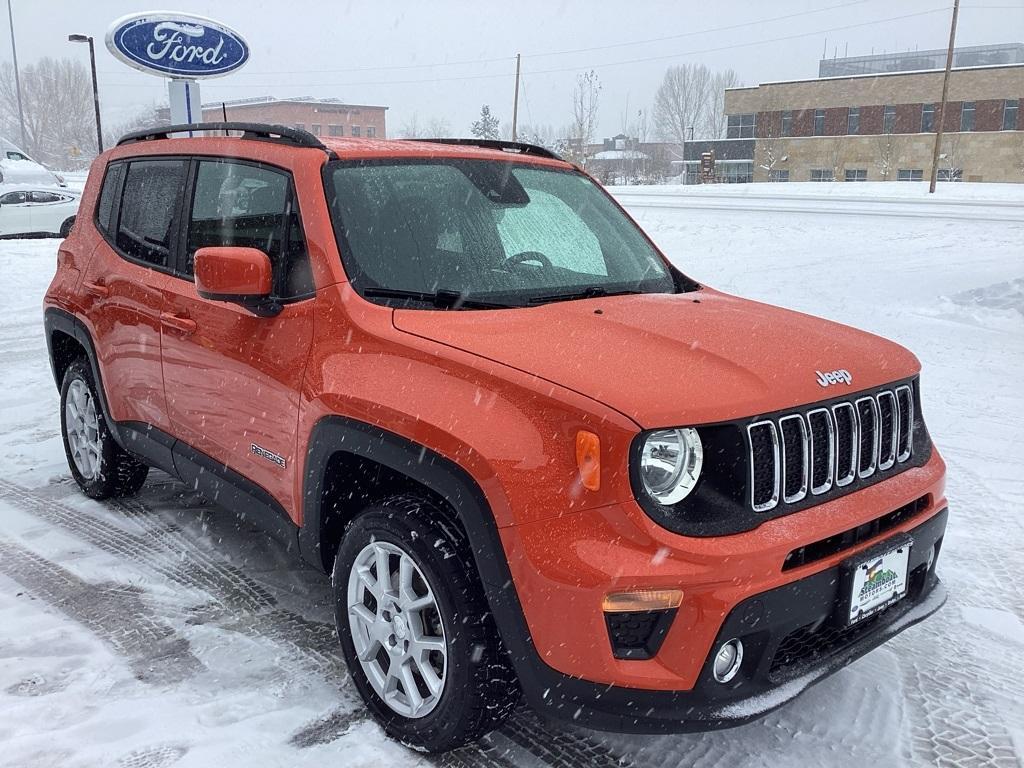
[488, 126]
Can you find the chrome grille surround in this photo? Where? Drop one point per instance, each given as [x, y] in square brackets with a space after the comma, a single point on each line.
[850, 434]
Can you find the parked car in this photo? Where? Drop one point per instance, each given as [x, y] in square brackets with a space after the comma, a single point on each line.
[16, 167]
[534, 456]
[27, 210]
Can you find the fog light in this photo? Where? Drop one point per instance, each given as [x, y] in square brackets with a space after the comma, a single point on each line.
[727, 661]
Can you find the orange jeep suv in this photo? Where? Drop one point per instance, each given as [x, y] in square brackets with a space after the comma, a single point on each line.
[534, 456]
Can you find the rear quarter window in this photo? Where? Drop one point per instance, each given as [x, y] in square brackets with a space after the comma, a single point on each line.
[108, 198]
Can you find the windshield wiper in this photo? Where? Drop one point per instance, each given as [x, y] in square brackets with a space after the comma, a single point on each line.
[442, 298]
[590, 292]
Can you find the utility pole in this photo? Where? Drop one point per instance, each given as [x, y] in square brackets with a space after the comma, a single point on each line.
[515, 101]
[17, 79]
[942, 105]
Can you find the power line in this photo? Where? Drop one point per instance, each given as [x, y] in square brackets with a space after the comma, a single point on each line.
[546, 54]
[680, 54]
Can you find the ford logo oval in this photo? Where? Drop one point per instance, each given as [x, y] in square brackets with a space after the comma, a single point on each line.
[177, 45]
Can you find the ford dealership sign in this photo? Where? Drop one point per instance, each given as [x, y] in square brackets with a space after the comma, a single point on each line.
[177, 45]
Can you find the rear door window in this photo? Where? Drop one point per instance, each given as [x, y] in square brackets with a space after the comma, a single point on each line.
[152, 192]
[45, 197]
[105, 218]
[251, 206]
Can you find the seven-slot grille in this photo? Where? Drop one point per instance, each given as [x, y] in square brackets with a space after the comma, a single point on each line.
[810, 453]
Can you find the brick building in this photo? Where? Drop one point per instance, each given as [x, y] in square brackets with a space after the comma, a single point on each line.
[321, 117]
[881, 126]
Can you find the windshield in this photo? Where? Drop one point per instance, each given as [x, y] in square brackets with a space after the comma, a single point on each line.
[497, 232]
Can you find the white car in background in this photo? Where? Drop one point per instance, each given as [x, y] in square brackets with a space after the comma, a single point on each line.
[36, 210]
[16, 167]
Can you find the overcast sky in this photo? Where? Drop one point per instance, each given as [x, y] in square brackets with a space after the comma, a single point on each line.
[444, 58]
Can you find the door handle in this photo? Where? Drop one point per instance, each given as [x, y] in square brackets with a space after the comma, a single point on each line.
[98, 290]
[184, 324]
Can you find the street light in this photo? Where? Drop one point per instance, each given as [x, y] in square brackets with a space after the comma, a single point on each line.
[95, 85]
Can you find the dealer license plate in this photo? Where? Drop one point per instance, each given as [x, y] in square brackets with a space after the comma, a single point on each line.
[878, 581]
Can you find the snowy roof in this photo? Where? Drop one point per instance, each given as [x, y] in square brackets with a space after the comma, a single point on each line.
[619, 154]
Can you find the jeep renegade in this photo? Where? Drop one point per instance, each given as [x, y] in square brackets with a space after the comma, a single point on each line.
[532, 454]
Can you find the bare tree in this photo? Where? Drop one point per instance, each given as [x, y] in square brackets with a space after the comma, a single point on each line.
[715, 119]
[951, 156]
[60, 125]
[434, 128]
[585, 103]
[769, 145]
[147, 117]
[681, 102]
[887, 151]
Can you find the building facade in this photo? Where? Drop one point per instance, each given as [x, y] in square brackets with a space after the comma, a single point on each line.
[881, 127]
[321, 117]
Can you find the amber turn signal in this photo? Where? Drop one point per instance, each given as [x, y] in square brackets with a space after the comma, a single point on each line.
[642, 600]
[588, 459]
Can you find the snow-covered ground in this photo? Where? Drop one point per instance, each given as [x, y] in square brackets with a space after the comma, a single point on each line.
[159, 631]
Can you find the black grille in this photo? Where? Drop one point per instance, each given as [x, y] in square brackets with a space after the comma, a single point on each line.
[819, 550]
[638, 634]
[821, 448]
[866, 423]
[763, 441]
[807, 453]
[793, 447]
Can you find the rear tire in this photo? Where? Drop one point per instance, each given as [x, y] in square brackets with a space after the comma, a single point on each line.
[99, 465]
[65, 228]
[470, 688]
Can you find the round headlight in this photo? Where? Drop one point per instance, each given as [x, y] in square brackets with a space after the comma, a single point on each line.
[670, 464]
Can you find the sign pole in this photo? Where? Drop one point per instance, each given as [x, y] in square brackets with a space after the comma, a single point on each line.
[17, 79]
[186, 107]
[941, 117]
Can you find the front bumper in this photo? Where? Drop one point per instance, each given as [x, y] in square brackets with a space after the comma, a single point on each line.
[790, 639]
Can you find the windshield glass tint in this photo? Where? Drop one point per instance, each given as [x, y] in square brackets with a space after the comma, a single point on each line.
[487, 230]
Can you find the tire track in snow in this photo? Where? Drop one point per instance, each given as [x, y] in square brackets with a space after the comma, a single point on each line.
[242, 605]
[115, 613]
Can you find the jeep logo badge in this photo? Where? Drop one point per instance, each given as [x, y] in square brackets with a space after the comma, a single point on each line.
[841, 376]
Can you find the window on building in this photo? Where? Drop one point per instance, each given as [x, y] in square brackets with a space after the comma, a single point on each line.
[927, 118]
[301, 126]
[735, 173]
[889, 119]
[740, 126]
[822, 174]
[152, 189]
[856, 174]
[949, 174]
[1010, 111]
[252, 207]
[777, 176]
[967, 116]
[787, 123]
[335, 130]
[908, 174]
[315, 127]
[853, 121]
[356, 131]
[371, 132]
[819, 122]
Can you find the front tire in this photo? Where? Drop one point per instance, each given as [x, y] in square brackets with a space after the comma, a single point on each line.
[99, 465]
[420, 641]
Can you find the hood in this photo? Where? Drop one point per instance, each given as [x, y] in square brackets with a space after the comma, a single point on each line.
[673, 360]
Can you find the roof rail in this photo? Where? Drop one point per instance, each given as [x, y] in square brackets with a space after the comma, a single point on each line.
[517, 147]
[253, 131]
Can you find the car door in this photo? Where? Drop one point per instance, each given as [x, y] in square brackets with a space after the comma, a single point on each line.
[233, 379]
[45, 210]
[15, 213]
[138, 215]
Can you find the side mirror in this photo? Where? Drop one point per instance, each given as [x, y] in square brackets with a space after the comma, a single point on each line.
[240, 275]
